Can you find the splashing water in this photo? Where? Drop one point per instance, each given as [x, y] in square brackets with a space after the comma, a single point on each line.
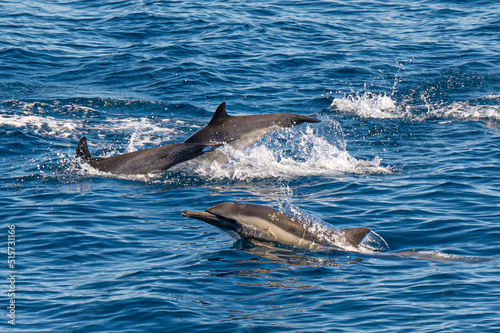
[325, 233]
[368, 105]
[289, 154]
[383, 106]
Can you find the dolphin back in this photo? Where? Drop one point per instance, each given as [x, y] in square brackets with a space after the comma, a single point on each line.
[143, 161]
[224, 128]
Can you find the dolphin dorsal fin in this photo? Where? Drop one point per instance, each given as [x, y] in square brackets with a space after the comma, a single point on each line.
[355, 235]
[82, 150]
[220, 113]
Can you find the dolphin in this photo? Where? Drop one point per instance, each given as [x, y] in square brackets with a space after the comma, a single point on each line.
[143, 161]
[264, 224]
[246, 130]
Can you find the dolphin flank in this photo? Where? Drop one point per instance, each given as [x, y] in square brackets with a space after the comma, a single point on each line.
[261, 223]
[224, 128]
[143, 161]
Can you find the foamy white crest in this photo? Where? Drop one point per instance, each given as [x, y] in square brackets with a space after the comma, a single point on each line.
[40, 107]
[145, 131]
[306, 154]
[463, 110]
[372, 105]
[41, 124]
[369, 105]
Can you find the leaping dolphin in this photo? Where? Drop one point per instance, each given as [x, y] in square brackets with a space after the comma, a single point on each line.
[247, 130]
[260, 223]
[143, 161]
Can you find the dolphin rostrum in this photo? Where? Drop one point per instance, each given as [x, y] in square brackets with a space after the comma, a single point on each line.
[143, 161]
[260, 223]
[247, 130]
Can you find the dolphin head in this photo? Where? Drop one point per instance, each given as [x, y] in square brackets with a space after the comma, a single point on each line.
[227, 215]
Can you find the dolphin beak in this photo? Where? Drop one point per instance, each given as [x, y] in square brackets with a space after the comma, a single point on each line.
[313, 118]
[204, 216]
[212, 219]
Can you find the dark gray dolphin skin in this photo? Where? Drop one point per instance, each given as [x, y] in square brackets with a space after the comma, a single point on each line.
[260, 223]
[143, 161]
[224, 128]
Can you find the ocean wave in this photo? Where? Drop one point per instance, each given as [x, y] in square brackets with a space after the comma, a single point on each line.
[74, 120]
[41, 125]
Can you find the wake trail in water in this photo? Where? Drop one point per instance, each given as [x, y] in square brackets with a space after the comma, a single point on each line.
[70, 120]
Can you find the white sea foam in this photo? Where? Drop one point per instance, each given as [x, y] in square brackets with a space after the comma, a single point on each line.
[464, 110]
[31, 116]
[144, 131]
[383, 106]
[42, 125]
[369, 105]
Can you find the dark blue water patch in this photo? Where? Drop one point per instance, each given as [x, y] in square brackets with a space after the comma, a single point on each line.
[121, 37]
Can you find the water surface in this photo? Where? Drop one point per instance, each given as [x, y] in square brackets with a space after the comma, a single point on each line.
[408, 146]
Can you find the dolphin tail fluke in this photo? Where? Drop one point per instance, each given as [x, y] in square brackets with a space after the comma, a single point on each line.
[313, 118]
[355, 235]
[82, 150]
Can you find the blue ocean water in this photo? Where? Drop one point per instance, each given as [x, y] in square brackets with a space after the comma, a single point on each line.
[409, 97]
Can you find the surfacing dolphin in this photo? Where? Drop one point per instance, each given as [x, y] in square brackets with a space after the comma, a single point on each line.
[143, 161]
[260, 223]
[263, 225]
[246, 130]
